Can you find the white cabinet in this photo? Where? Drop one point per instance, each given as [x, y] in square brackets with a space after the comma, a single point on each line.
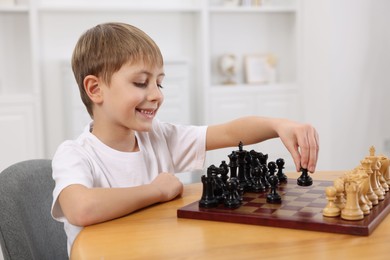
[39, 36]
[264, 32]
[20, 102]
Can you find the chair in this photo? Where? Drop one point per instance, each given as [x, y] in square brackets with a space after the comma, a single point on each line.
[27, 230]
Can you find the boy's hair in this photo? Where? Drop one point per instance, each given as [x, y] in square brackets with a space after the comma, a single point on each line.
[102, 50]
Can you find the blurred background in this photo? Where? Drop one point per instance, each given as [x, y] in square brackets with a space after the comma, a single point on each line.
[324, 62]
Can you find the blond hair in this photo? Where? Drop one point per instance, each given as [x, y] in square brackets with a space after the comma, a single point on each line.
[103, 49]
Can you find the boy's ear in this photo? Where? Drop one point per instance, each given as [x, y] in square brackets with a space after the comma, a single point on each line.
[93, 89]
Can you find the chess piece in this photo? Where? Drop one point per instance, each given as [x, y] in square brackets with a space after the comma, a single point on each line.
[248, 171]
[232, 200]
[273, 197]
[208, 199]
[224, 171]
[331, 210]
[241, 154]
[263, 175]
[257, 185]
[281, 176]
[340, 196]
[373, 198]
[351, 211]
[364, 202]
[382, 180]
[271, 172]
[304, 179]
[385, 163]
[233, 164]
[271, 168]
[212, 172]
[374, 178]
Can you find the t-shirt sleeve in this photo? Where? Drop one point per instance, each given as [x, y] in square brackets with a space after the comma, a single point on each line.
[187, 146]
[70, 166]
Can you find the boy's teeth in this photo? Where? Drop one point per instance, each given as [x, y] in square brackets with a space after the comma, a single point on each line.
[146, 112]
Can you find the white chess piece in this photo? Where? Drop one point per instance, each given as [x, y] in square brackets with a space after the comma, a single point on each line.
[331, 210]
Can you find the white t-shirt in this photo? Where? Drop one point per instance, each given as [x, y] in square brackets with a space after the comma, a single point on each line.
[89, 162]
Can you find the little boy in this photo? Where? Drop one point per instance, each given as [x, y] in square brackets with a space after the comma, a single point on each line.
[125, 159]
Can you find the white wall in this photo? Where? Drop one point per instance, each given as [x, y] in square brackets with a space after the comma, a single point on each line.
[346, 60]
[346, 78]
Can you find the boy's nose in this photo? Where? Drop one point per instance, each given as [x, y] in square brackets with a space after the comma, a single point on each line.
[155, 93]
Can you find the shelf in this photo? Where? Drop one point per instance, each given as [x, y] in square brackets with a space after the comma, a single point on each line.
[115, 8]
[249, 88]
[17, 98]
[260, 9]
[14, 8]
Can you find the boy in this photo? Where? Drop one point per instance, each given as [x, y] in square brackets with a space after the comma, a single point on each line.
[125, 160]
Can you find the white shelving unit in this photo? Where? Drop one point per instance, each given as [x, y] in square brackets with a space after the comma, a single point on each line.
[39, 36]
[244, 31]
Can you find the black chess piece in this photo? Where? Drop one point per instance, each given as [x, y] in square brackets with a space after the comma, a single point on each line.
[281, 176]
[257, 185]
[304, 179]
[263, 158]
[249, 171]
[224, 171]
[233, 164]
[232, 200]
[208, 199]
[241, 154]
[213, 172]
[263, 175]
[273, 197]
[271, 168]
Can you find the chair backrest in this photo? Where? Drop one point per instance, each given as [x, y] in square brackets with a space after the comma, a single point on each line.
[27, 230]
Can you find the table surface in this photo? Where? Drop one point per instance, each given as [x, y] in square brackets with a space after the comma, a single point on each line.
[156, 233]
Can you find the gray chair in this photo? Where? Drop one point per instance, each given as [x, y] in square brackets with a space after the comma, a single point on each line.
[27, 230]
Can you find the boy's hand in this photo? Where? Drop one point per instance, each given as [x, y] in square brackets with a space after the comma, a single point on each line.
[302, 141]
[168, 185]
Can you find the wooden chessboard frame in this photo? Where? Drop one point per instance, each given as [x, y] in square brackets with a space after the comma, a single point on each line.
[313, 221]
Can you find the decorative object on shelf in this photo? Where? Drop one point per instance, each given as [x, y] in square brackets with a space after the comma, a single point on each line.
[260, 68]
[7, 2]
[228, 67]
[231, 3]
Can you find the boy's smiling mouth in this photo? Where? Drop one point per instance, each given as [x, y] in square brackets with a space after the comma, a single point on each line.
[149, 113]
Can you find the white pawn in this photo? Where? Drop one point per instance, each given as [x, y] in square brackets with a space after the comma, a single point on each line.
[331, 210]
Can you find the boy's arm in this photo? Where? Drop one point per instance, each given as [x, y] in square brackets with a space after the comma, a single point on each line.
[84, 206]
[301, 140]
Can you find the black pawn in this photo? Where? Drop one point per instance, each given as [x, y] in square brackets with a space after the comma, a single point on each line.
[232, 200]
[208, 199]
[281, 176]
[263, 176]
[304, 179]
[271, 168]
[257, 185]
[273, 197]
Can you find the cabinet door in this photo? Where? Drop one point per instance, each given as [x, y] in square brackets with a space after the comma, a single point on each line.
[18, 133]
[177, 102]
[227, 107]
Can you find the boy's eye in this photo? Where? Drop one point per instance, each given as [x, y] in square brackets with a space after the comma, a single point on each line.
[160, 86]
[141, 84]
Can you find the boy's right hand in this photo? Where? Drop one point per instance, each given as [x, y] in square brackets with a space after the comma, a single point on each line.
[168, 185]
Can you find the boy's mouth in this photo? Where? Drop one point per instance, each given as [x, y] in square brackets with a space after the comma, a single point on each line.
[149, 113]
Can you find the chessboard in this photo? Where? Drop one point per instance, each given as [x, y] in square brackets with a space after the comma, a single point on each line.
[301, 208]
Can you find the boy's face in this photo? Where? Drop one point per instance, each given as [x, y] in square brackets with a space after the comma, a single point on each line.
[133, 97]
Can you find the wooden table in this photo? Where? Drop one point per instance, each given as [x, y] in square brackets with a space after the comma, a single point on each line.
[157, 233]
